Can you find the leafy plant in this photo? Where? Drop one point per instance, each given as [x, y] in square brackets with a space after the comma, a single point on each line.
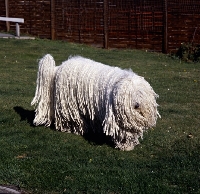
[189, 52]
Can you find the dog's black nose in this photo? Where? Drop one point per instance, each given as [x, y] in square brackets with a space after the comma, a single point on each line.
[137, 105]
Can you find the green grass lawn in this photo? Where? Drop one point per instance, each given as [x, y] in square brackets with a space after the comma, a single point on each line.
[42, 160]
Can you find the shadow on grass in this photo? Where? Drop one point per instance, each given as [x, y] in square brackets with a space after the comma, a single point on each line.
[26, 115]
[98, 139]
[93, 138]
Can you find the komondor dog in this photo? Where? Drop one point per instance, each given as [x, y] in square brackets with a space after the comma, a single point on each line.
[82, 95]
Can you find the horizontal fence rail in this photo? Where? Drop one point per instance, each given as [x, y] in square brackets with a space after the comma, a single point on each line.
[142, 24]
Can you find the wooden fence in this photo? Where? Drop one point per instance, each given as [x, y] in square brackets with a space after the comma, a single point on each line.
[142, 24]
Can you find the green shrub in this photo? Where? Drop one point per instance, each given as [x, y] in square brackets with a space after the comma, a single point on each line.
[189, 52]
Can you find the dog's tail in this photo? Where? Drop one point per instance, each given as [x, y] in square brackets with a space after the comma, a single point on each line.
[43, 99]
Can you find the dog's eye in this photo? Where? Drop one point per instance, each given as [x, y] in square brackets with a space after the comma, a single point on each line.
[137, 105]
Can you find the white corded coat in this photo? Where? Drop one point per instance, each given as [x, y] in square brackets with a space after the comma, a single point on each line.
[82, 95]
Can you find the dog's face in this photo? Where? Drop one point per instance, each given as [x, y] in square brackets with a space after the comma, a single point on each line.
[145, 106]
[135, 104]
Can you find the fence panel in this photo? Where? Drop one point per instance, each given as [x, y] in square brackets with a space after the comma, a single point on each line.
[141, 24]
[2, 14]
[136, 24]
[80, 21]
[183, 22]
[36, 14]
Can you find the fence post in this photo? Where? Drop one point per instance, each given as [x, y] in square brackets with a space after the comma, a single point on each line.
[105, 19]
[53, 19]
[7, 15]
[165, 27]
